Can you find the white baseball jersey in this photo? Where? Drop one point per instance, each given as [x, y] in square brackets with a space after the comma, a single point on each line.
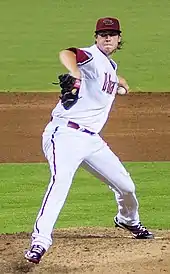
[97, 92]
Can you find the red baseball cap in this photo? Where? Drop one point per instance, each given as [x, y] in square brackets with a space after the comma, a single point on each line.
[108, 23]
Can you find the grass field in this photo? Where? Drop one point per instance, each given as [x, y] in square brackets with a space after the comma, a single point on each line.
[89, 202]
[32, 33]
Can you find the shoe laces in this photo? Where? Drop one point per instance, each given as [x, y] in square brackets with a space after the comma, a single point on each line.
[141, 227]
[38, 249]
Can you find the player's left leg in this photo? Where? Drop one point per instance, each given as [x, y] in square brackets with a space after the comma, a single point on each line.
[105, 165]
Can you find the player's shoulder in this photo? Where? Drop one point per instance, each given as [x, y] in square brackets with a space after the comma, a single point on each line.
[88, 50]
[84, 55]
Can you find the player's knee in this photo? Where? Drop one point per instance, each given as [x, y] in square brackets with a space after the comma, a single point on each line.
[123, 184]
[127, 188]
[128, 191]
[128, 184]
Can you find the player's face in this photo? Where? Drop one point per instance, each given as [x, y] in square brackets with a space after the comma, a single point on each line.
[107, 41]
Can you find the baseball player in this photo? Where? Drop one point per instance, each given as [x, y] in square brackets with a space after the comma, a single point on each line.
[72, 136]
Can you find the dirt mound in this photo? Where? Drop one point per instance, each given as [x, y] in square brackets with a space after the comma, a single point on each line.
[89, 250]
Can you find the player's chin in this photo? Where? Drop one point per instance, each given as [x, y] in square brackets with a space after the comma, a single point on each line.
[109, 50]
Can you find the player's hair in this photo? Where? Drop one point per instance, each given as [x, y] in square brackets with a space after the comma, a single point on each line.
[120, 44]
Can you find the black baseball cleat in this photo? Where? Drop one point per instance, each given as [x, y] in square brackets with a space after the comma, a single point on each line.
[35, 254]
[138, 231]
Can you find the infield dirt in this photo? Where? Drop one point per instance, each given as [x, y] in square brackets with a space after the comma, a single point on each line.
[138, 130]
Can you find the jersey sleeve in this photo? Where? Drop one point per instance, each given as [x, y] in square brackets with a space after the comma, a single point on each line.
[82, 57]
[85, 62]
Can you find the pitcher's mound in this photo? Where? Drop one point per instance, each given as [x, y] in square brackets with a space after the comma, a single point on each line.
[89, 250]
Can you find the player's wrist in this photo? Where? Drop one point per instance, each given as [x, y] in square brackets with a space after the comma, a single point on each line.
[77, 83]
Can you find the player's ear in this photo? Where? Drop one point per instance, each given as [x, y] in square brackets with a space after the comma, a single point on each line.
[120, 38]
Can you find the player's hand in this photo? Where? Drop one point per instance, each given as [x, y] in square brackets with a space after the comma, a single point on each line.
[123, 83]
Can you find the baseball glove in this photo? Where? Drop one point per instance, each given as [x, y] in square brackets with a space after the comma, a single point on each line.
[69, 90]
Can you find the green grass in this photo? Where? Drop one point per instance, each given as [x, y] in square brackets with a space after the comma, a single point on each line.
[32, 33]
[90, 202]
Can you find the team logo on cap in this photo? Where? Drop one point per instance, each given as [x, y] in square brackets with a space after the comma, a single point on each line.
[108, 22]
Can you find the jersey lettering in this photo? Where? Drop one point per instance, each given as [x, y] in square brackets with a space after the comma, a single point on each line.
[108, 85]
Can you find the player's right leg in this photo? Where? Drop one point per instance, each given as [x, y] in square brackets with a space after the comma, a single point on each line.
[64, 152]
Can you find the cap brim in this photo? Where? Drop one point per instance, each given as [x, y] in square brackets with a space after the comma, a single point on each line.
[118, 31]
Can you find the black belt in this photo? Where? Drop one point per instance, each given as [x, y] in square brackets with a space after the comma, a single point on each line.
[76, 126]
